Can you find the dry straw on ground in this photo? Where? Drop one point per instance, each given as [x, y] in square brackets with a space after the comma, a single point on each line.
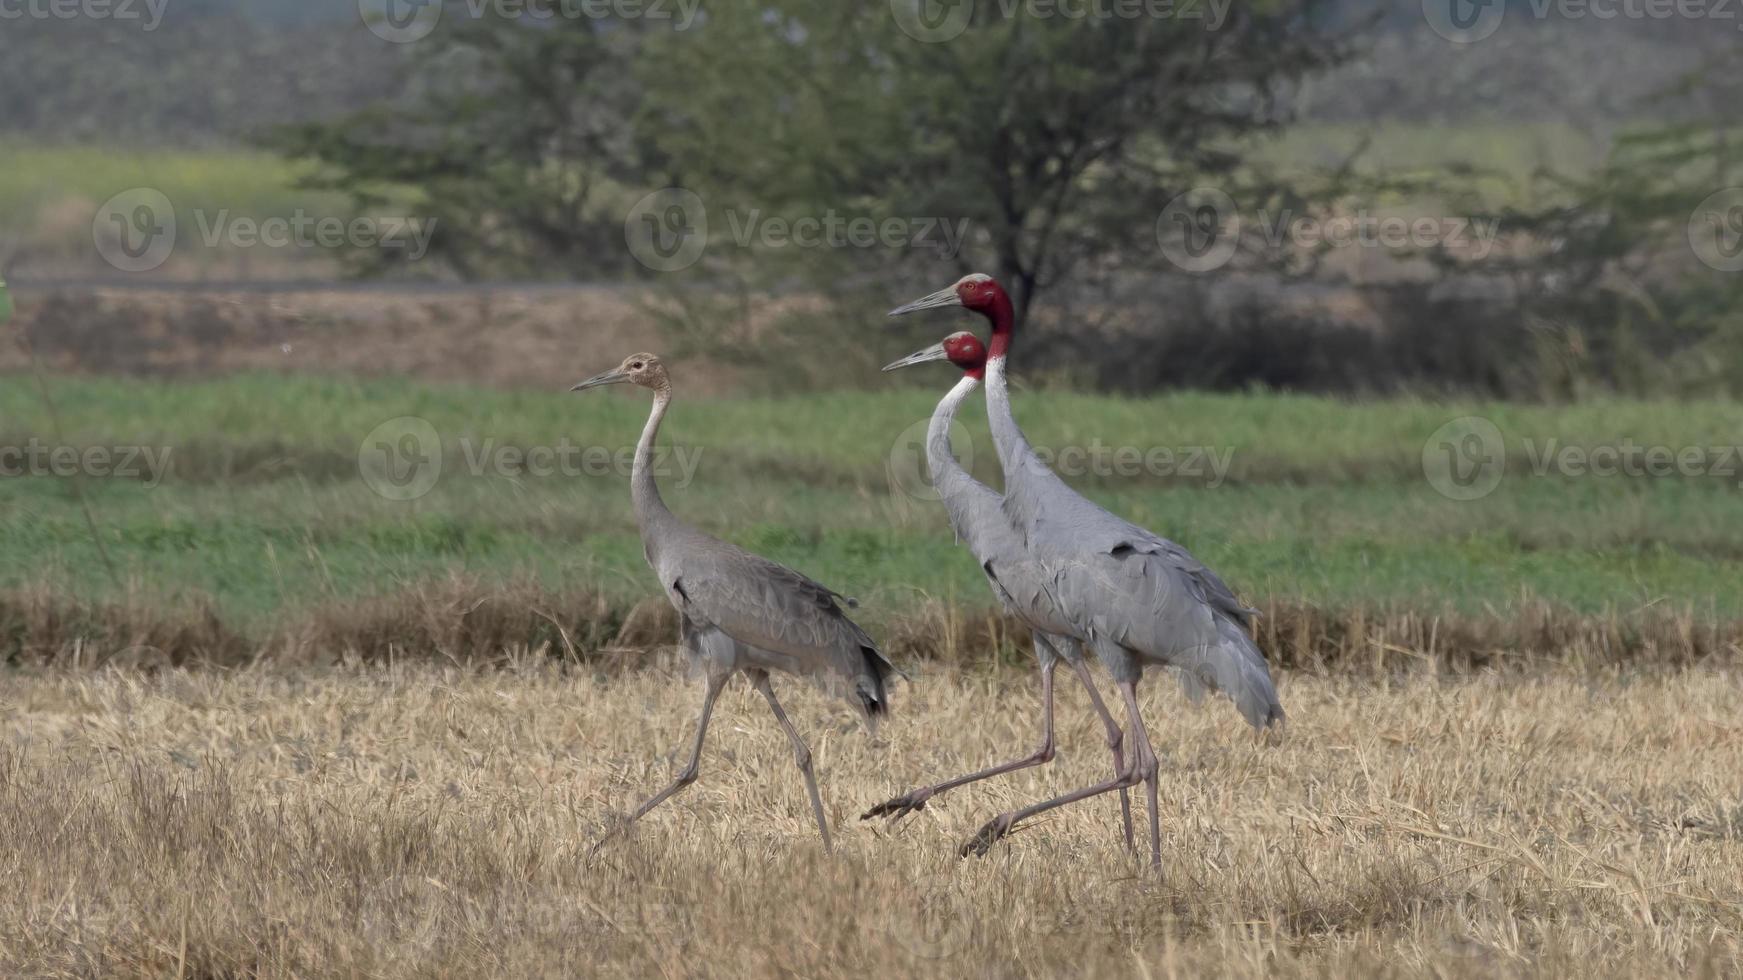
[416, 820]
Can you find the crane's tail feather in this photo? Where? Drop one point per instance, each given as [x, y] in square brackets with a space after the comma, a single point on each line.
[874, 686]
[1234, 666]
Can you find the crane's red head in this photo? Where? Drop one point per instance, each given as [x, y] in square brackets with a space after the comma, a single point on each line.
[961, 349]
[976, 291]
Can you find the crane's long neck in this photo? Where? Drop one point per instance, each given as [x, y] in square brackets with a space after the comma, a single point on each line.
[649, 508]
[938, 455]
[1014, 449]
[1015, 453]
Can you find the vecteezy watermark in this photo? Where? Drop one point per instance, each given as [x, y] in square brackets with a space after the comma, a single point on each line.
[137, 230]
[936, 21]
[146, 13]
[1470, 21]
[939, 923]
[34, 457]
[906, 461]
[1716, 230]
[1201, 229]
[1467, 459]
[667, 230]
[403, 458]
[1205, 466]
[405, 21]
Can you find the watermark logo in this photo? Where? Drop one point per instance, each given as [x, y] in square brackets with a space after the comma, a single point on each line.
[1199, 230]
[33, 457]
[1464, 21]
[401, 459]
[667, 231]
[932, 21]
[135, 231]
[400, 21]
[938, 924]
[906, 462]
[405, 21]
[1715, 230]
[1465, 459]
[147, 13]
[1470, 21]
[402, 915]
[140, 656]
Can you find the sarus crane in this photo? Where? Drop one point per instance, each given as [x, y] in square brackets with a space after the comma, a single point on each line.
[1135, 597]
[739, 612]
[1019, 583]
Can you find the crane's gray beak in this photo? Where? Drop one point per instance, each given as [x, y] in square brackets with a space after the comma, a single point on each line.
[933, 353]
[611, 377]
[944, 297]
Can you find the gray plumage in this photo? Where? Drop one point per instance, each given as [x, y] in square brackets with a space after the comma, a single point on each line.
[1135, 596]
[976, 515]
[740, 612]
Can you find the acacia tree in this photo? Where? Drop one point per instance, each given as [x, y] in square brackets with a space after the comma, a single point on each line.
[1059, 140]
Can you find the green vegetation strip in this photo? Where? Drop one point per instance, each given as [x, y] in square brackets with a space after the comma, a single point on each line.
[256, 504]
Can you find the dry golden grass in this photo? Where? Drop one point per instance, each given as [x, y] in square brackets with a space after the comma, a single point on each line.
[424, 821]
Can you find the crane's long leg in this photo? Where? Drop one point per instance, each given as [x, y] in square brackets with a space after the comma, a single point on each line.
[686, 775]
[1116, 739]
[801, 754]
[1152, 775]
[1141, 766]
[907, 803]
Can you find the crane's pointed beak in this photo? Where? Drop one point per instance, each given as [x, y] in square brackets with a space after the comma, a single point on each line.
[944, 297]
[611, 377]
[933, 353]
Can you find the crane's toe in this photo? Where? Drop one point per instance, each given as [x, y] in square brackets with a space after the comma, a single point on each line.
[987, 836]
[899, 807]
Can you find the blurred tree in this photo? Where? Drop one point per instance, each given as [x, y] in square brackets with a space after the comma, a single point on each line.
[1057, 133]
[1631, 279]
[1053, 138]
[508, 139]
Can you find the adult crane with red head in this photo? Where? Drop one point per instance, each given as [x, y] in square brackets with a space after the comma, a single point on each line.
[1136, 598]
[976, 515]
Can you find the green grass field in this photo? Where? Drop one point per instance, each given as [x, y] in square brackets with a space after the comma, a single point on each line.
[48, 193]
[264, 511]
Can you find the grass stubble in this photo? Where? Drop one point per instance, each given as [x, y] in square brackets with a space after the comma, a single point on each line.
[341, 736]
[422, 819]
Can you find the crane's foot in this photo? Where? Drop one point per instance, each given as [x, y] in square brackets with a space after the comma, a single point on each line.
[901, 806]
[987, 836]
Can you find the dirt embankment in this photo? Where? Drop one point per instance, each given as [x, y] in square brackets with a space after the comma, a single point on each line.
[520, 337]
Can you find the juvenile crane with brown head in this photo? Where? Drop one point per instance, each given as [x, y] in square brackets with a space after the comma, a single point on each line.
[740, 612]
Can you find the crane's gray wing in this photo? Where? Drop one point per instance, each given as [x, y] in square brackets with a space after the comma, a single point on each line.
[1207, 585]
[770, 606]
[1166, 610]
[1056, 521]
